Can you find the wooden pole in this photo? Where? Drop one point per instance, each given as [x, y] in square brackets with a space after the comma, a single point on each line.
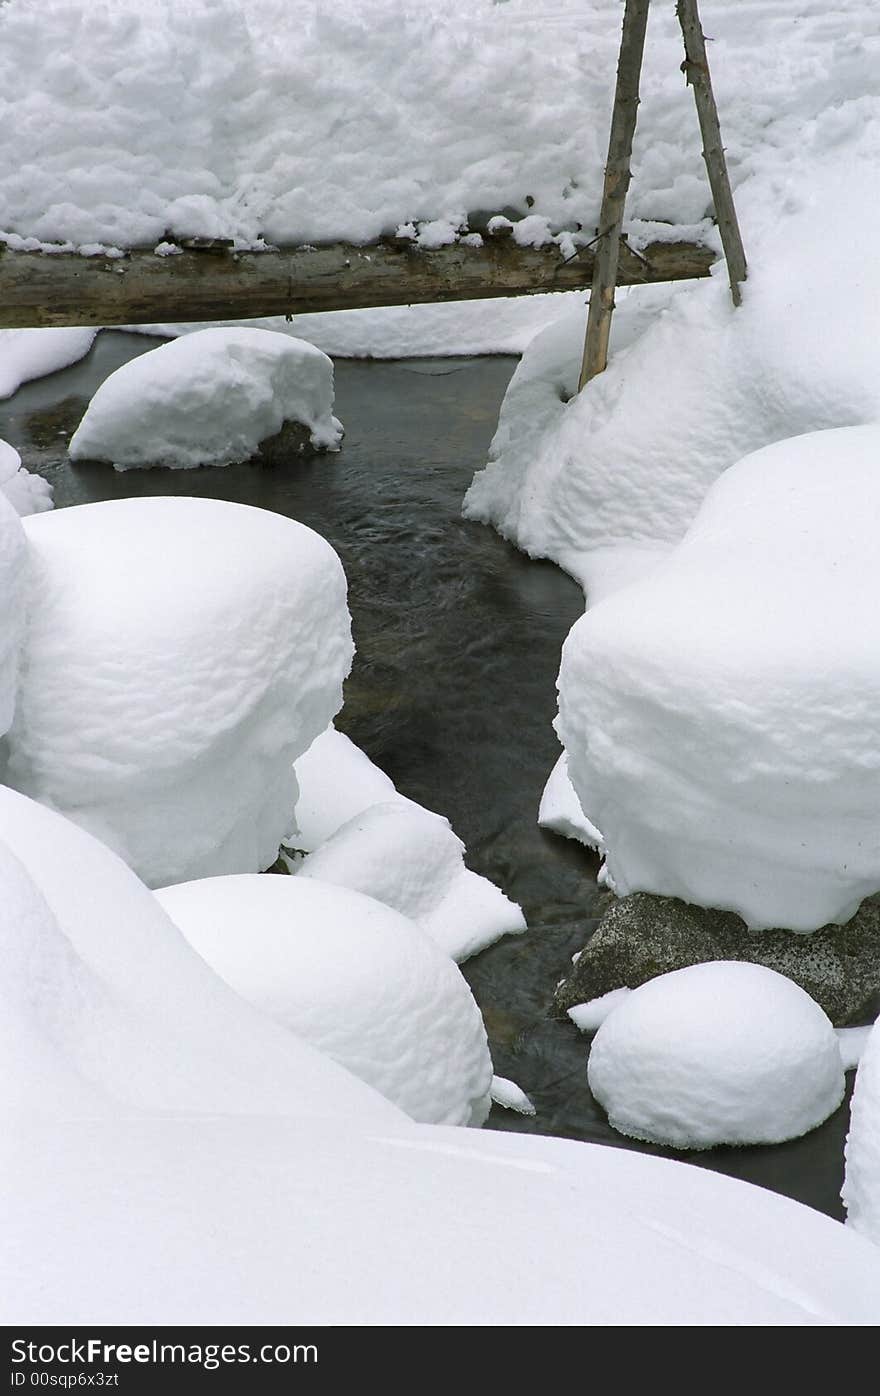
[696, 68]
[617, 177]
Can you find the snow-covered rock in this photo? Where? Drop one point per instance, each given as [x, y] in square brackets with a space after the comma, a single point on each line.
[560, 809]
[106, 1009]
[13, 562]
[352, 977]
[181, 653]
[26, 492]
[336, 781]
[410, 859]
[218, 1221]
[861, 1187]
[27, 354]
[720, 718]
[719, 1053]
[208, 398]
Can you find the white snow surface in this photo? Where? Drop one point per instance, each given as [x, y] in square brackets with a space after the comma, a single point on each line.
[352, 977]
[107, 1010]
[560, 809]
[510, 1096]
[720, 717]
[181, 653]
[13, 564]
[412, 860]
[336, 781]
[587, 1017]
[861, 1186]
[208, 398]
[27, 354]
[27, 493]
[404, 1225]
[852, 1043]
[718, 1053]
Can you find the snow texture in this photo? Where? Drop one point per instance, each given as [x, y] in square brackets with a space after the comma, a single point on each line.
[27, 493]
[13, 564]
[208, 398]
[719, 1053]
[587, 1017]
[720, 718]
[510, 1096]
[353, 978]
[181, 653]
[861, 1187]
[403, 1226]
[27, 354]
[411, 860]
[106, 1009]
[560, 809]
[336, 782]
[852, 1043]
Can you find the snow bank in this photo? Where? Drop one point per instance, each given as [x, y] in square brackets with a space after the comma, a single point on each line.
[209, 398]
[411, 860]
[27, 493]
[27, 354]
[13, 562]
[719, 1053]
[861, 1187]
[106, 1006]
[720, 719]
[351, 977]
[181, 653]
[233, 1225]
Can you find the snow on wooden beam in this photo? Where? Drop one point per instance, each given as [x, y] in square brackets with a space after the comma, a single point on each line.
[42, 289]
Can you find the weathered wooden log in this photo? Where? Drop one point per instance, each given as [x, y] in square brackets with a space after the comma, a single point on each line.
[606, 273]
[141, 288]
[696, 70]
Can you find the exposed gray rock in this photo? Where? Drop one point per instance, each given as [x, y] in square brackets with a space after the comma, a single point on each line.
[642, 936]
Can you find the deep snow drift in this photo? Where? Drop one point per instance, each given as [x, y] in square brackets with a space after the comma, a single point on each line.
[353, 978]
[719, 1053]
[180, 654]
[208, 398]
[720, 717]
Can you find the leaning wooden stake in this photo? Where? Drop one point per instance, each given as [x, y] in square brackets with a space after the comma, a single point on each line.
[617, 177]
[696, 68]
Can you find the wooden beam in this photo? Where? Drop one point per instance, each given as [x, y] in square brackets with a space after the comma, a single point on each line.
[696, 69]
[41, 289]
[617, 176]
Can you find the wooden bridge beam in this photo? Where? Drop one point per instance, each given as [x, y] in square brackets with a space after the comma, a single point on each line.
[44, 289]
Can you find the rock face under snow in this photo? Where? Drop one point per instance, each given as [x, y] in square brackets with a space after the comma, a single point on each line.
[13, 561]
[720, 718]
[353, 978]
[107, 1010]
[208, 398]
[181, 653]
[720, 1053]
[861, 1187]
[27, 493]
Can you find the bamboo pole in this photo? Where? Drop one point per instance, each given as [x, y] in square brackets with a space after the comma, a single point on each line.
[696, 68]
[617, 178]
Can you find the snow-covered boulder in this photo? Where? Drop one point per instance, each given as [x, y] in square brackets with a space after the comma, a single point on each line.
[13, 562]
[181, 653]
[107, 1009]
[27, 493]
[209, 398]
[720, 1053]
[410, 859]
[336, 781]
[861, 1187]
[354, 978]
[720, 718]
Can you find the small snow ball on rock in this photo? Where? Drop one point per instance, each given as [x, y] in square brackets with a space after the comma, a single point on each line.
[721, 717]
[181, 654]
[719, 1053]
[209, 398]
[352, 977]
[861, 1188]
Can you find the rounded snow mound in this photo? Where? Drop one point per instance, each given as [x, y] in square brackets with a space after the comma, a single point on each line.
[181, 654]
[27, 493]
[351, 976]
[13, 560]
[861, 1188]
[719, 1053]
[209, 398]
[720, 718]
[105, 1005]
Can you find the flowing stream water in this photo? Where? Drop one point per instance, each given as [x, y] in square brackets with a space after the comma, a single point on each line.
[453, 688]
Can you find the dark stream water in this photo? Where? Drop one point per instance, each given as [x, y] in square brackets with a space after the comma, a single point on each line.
[453, 689]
